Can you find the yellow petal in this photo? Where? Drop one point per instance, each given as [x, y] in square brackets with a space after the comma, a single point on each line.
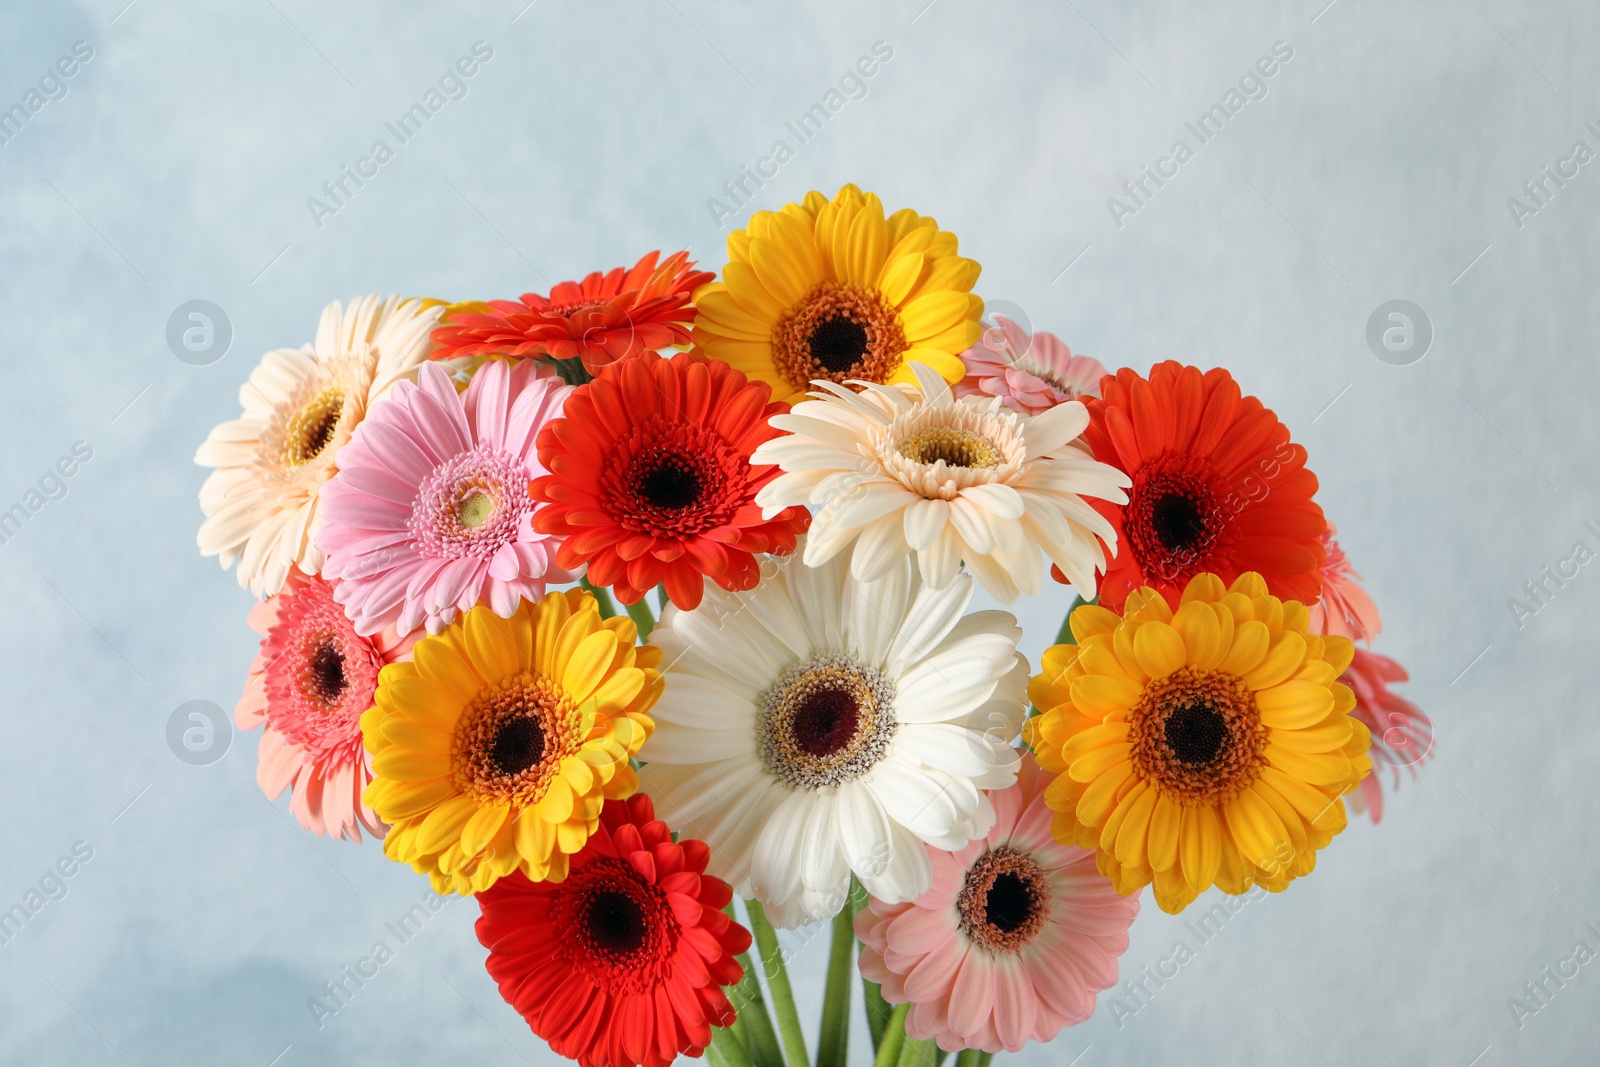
[401, 800]
[1250, 643]
[1283, 658]
[1165, 823]
[1099, 695]
[407, 733]
[1159, 649]
[1133, 834]
[1255, 829]
[1197, 625]
[900, 276]
[1096, 762]
[1294, 705]
[442, 827]
[1200, 845]
[481, 828]
[1325, 768]
[491, 646]
[407, 765]
[589, 663]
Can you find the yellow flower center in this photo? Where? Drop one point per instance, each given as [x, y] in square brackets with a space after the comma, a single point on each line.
[955, 447]
[512, 738]
[475, 510]
[310, 431]
[1197, 736]
[838, 332]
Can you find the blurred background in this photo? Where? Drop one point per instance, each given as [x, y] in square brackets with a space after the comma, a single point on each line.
[1426, 153]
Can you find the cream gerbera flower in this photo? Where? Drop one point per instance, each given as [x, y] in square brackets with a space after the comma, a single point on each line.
[814, 727]
[915, 470]
[300, 407]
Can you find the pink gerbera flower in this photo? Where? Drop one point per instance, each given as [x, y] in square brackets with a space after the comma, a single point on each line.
[1345, 608]
[1012, 942]
[1402, 733]
[308, 686]
[1028, 372]
[430, 512]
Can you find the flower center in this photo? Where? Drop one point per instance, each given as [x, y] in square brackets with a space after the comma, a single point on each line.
[616, 928]
[1197, 735]
[310, 431]
[1004, 901]
[475, 510]
[511, 740]
[325, 677]
[1175, 516]
[951, 446]
[825, 721]
[672, 485]
[473, 504]
[838, 332]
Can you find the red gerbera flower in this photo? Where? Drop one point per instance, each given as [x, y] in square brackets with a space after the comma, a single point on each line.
[624, 961]
[1217, 486]
[604, 318]
[651, 480]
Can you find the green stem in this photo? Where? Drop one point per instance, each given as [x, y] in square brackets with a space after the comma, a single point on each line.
[754, 1024]
[893, 1038]
[877, 1009]
[968, 1058]
[607, 608]
[1064, 634]
[794, 1040]
[727, 1042]
[661, 598]
[639, 612]
[985, 1058]
[918, 1053]
[833, 1038]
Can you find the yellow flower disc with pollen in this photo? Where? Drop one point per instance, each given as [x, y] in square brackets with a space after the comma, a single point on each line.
[1207, 746]
[495, 747]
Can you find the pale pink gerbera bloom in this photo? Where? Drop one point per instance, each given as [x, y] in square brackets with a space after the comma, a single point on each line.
[300, 407]
[1028, 372]
[1345, 609]
[1402, 733]
[1012, 942]
[308, 686]
[430, 512]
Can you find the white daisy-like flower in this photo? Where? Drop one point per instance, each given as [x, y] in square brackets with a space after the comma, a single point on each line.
[300, 407]
[817, 726]
[905, 470]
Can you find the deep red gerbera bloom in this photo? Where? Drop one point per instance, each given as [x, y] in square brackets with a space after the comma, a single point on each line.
[651, 480]
[624, 962]
[1217, 486]
[604, 318]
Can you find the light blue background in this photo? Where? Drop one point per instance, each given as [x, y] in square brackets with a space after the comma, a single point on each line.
[1377, 167]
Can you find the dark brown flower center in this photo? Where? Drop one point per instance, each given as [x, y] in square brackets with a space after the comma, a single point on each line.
[1004, 900]
[326, 674]
[671, 485]
[511, 739]
[616, 923]
[825, 721]
[312, 429]
[1176, 515]
[672, 479]
[838, 332]
[838, 343]
[1197, 735]
[518, 745]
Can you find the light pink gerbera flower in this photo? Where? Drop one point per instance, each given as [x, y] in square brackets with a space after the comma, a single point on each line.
[1345, 609]
[430, 512]
[1028, 372]
[1012, 942]
[1402, 733]
[308, 686]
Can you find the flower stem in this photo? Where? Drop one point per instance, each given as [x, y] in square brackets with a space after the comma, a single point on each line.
[1064, 634]
[603, 598]
[639, 612]
[919, 1053]
[968, 1057]
[833, 1038]
[877, 1009]
[753, 1025]
[728, 1044]
[893, 1038]
[572, 371]
[794, 1041]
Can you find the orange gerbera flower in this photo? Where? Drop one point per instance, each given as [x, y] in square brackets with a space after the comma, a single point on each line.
[651, 480]
[1218, 487]
[604, 318]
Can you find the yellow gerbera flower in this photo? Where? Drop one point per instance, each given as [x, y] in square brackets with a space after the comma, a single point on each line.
[494, 749]
[834, 290]
[1210, 746]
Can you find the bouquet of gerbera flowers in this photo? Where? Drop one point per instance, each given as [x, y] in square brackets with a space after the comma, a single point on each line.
[443, 504]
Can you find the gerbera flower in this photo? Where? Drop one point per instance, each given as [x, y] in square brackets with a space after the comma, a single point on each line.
[1029, 372]
[833, 290]
[300, 407]
[911, 470]
[1012, 942]
[1217, 486]
[1210, 745]
[308, 686]
[652, 479]
[1402, 733]
[625, 961]
[493, 750]
[818, 726]
[604, 318]
[429, 514]
[1345, 608]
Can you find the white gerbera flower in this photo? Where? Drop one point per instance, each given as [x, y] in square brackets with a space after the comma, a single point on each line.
[915, 470]
[300, 407]
[817, 726]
